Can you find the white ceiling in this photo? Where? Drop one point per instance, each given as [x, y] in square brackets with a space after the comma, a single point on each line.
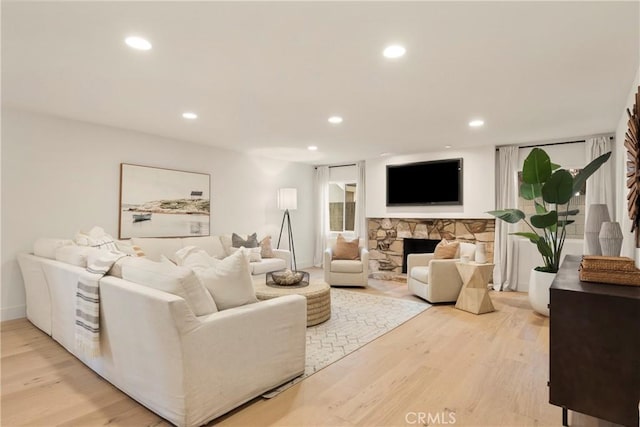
[265, 76]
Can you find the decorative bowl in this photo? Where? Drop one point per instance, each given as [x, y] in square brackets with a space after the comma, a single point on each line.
[287, 277]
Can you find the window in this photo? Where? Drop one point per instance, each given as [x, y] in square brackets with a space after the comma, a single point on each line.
[342, 206]
[575, 230]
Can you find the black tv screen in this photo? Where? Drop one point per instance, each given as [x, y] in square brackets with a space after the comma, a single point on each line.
[426, 183]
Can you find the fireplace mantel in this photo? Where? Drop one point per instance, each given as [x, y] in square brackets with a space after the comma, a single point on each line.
[386, 235]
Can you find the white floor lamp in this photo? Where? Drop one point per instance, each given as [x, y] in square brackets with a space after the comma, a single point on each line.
[288, 200]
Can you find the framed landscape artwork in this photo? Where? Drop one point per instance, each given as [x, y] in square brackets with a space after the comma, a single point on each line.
[156, 202]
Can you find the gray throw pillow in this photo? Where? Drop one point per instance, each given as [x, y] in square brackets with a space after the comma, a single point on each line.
[251, 242]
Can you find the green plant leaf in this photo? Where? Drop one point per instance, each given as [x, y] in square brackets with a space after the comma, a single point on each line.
[558, 188]
[587, 171]
[545, 221]
[533, 237]
[544, 248]
[530, 191]
[537, 167]
[562, 222]
[540, 209]
[508, 215]
[554, 166]
[568, 213]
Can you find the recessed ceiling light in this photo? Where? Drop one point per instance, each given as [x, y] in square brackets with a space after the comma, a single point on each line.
[312, 148]
[447, 146]
[190, 116]
[138, 43]
[394, 51]
[476, 123]
[335, 120]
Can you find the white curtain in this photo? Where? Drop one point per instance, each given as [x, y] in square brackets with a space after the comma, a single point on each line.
[361, 218]
[321, 190]
[600, 187]
[505, 274]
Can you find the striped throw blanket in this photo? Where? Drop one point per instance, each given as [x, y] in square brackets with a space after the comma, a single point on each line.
[88, 303]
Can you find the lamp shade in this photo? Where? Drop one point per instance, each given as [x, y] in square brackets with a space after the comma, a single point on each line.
[287, 199]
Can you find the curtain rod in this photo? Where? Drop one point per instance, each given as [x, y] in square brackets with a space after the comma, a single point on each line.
[338, 166]
[550, 143]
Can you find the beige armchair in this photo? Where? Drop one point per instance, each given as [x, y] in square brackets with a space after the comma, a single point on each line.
[437, 280]
[341, 272]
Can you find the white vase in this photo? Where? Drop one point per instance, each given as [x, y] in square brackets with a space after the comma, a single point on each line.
[481, 253]
[539, 284]
[610, 239]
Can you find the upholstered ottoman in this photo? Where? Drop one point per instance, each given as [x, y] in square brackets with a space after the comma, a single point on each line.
[318, 295]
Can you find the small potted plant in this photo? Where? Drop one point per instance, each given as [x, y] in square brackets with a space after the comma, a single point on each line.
[551, 188]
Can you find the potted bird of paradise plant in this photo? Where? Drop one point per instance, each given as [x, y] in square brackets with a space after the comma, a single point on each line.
[551, 189]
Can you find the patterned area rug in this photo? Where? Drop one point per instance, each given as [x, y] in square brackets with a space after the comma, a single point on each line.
[356, 319]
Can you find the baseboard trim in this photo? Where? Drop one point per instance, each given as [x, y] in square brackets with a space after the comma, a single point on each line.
[10, 313]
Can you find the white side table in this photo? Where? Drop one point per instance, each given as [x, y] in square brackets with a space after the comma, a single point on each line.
[474, 295]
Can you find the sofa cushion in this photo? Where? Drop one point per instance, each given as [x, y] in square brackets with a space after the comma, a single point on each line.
[180, 281]
[421, 274]
[154, 247]
[46, 248]
[250, 241]
[74, 255]
[267, 265]
[266, 250]
[97, 238]
[446, 250]
[229, 281]
[211, 244]
[254, 253]
[346, 249]
[194, 258]
[346, 266]
[116, 268]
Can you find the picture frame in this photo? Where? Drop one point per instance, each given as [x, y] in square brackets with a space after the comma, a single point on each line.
[161, 202]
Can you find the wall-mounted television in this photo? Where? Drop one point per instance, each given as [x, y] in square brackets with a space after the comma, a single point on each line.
[436, 182]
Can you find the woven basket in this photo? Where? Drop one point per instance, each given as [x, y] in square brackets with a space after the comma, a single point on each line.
[611, 270]
[594, 262]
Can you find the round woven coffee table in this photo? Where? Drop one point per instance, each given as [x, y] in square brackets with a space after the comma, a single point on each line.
[318, 295]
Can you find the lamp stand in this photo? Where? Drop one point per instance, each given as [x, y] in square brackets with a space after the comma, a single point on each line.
[290, 233]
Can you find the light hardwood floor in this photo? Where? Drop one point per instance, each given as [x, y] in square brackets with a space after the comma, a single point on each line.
[487, 370]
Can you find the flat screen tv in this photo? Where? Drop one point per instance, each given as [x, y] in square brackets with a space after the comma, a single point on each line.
[426, 183]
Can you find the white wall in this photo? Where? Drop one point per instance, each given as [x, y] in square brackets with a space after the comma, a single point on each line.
[478, 185]
[622, 216]
[60, 176]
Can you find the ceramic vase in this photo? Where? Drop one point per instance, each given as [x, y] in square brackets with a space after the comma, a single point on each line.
[539, 284]
[610, 238]
[598, 213]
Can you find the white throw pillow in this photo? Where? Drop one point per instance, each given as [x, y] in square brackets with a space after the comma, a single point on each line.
[211, 244]
[154, 247]
[255, 254]
[74, 255]
[180, 281]
[116, 268]
[46, 248]
[97, 238]
[194, 258]
[229, 281]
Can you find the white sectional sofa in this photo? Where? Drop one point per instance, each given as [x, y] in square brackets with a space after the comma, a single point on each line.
[188, 369]
[216, 246]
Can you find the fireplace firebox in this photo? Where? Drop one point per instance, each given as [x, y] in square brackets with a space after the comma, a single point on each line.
[416, 246]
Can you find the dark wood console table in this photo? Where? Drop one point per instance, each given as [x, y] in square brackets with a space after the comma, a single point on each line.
[594, 347]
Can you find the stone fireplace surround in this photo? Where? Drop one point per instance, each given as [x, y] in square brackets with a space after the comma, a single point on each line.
[386, 239]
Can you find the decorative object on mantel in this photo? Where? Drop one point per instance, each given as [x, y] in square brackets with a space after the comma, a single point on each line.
[288, 200]
[609, 269]
[551, 189]
[632, 144]
[598, 214]
[481, 253]
[610, 239]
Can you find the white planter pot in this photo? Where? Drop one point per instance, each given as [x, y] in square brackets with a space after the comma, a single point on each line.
[539, 284]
